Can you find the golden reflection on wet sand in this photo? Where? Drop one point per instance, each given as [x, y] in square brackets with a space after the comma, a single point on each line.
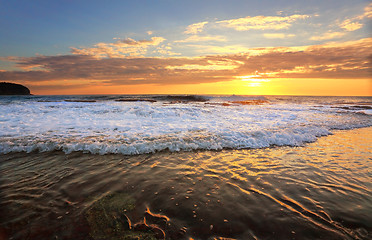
[321, 190]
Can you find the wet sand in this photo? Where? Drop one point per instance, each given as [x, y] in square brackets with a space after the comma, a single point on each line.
[320, 191]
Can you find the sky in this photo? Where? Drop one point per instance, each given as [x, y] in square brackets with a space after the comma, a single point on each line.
[266, 47]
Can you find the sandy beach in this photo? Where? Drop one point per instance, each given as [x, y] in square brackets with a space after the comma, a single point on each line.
[322, 190]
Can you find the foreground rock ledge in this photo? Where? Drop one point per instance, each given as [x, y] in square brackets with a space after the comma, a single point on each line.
[13, 89]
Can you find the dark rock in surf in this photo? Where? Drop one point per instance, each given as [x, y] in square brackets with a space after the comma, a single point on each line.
[134, 100]
[13, 89]
[185, 98]
[250, 102]
[355, 107]
[80, 100]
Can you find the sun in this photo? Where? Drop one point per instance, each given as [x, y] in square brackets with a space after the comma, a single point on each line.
[255, 84]
[253, 80]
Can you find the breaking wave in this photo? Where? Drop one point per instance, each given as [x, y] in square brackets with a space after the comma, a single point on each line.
[146, 124]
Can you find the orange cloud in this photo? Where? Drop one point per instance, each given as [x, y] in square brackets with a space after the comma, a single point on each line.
[120, 48]
[328, 36]
[261, 22]
[195, 28]
[166, 50]
[348, 60]
[197, 38]
[278, 35]
[351, 25]
[228, 49]
[368, 11]
[210, 65]
[355, 22]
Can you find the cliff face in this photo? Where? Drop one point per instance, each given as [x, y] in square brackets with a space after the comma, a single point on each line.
[13, 89]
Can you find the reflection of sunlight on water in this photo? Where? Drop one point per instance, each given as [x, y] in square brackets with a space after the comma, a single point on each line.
[319, 191]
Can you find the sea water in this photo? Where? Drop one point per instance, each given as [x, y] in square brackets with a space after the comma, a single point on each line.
[132, 125]
[217, 167]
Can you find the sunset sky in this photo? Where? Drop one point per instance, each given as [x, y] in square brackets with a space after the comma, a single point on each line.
[317, 47]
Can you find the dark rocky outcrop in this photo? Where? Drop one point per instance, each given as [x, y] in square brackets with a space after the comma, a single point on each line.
[186, 98]
[13, 89]
[80, 100]
[134, 100]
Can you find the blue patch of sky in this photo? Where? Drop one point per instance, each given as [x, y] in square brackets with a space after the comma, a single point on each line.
[51, 27]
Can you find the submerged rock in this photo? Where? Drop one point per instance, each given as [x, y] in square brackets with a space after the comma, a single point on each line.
[80, 100]
[185, 98]
[155, 230]
[135, 100]
[13, 89]
[250, 102]
[107, 219]
[124, 220]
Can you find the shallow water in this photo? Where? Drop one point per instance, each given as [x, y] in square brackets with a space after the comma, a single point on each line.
[322, 190]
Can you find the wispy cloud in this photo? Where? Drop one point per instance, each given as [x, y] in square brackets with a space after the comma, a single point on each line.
[210, 65]
[195, 28]
[211, 49]
[208, 38]
[355, 23]
[278, 35]
[351, 25]
[367, 11]
[328, 36]
[261, 22]
[166, 50]
[118, 49]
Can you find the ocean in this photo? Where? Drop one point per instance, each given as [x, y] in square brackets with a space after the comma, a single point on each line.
[185, 167]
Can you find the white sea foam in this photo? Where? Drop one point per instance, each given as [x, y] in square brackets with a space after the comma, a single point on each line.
[367, 111]
[143, 127]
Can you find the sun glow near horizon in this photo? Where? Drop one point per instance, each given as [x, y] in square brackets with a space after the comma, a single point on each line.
[238, 86]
